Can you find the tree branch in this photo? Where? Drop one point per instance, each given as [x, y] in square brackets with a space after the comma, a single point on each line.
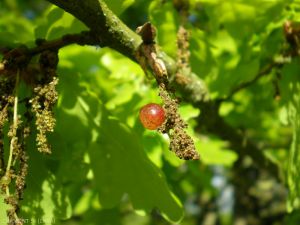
[111, 32]
[209, 120]
[264, 71]
[83, 38]
[107, 27]
[16, 58]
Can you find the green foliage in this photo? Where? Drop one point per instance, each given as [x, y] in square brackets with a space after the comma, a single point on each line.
[118, 6]
[120, 166]
[291, 87]
[167, 30]
[3, 208]
[106, 167]
[9, 27]
[56, 23]
[230, 50]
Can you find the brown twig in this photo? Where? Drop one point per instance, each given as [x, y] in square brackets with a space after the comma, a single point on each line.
[210, 121]
[263, 72]
[83, 38]
[17, 57]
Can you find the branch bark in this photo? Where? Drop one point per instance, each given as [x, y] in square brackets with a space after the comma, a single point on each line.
[107, 27]
[17, 58]
[83, 38]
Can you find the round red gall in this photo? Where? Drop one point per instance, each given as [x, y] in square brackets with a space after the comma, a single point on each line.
[152, 116]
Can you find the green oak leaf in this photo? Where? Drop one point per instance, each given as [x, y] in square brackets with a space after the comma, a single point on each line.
[120, 166]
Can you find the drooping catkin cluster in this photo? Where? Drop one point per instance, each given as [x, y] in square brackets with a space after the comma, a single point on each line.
[180, 142]
[6, 101]
[3, 120]
[23, 165]
[183, 57]
[16, 173]
[44, 99]
[43, 80]
[13, 174]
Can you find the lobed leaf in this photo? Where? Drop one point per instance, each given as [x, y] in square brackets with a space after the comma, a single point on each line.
[121, 166]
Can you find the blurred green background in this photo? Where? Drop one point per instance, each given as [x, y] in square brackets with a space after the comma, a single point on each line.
[107, 169]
